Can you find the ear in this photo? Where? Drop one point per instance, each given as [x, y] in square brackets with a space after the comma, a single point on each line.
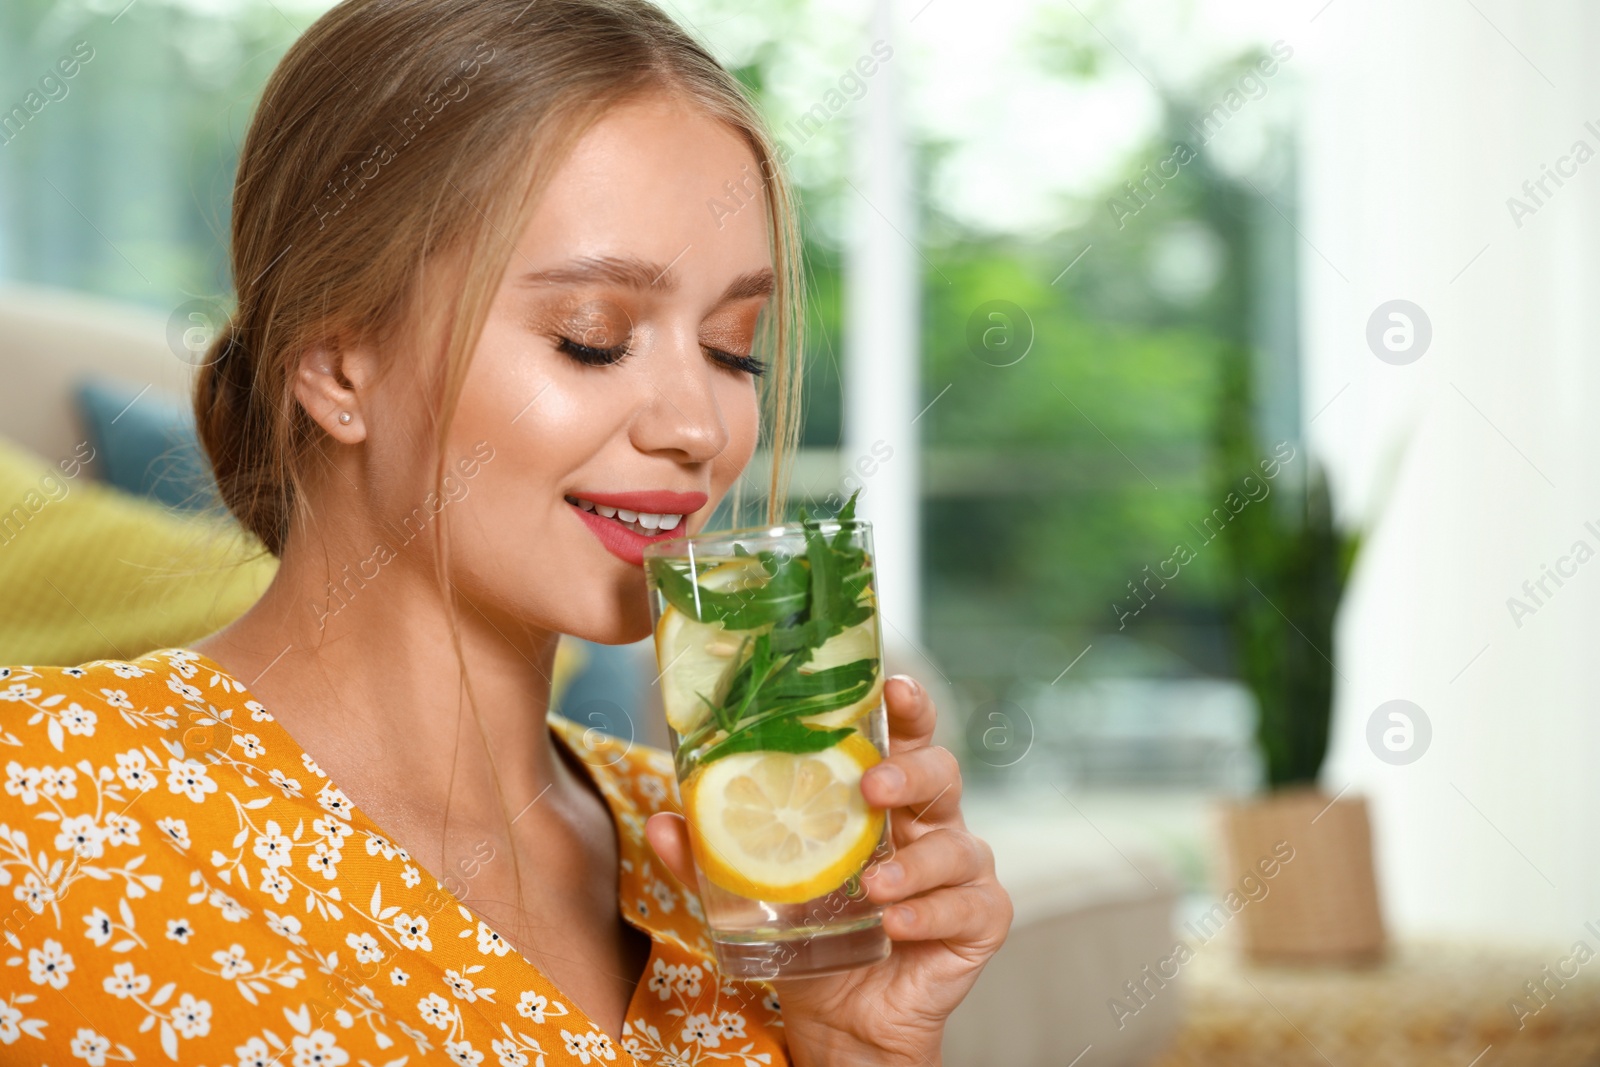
[333, 384]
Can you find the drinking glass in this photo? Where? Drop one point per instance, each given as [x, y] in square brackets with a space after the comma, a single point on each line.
[771, 668]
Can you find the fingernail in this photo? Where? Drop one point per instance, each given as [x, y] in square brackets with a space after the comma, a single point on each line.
[888, 873]
[901, 914]
[889, 777]
[913, 687]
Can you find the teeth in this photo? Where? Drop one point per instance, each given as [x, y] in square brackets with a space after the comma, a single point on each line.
[645, 522]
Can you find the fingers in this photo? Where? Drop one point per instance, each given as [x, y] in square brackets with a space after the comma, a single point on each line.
[911, 713]
[668, 834]
[970, 916]
[939, 858]
[927, 780]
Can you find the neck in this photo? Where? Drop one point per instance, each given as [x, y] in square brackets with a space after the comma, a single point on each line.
[386, 680]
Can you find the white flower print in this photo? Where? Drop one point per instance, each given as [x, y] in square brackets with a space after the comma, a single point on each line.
[126, 670]
[100, 927]
[461, 987]
[121, 829]
[124, 983]
[176, 831]
[413, 931]
[398, 977]
[285, 926]
[273, 846]
[666, 899]
[335, 830]
[90, 1045]
[366, 946]
[533, 1006]
[179, 930]
[731, 1023]
[318, 1050]
[78, 720]
[332, 798]
[117, 698]
[74, 672]
[668, 978]
[311, 765]
[233, 911]
[324, 859]
[436, 1011]
[255, 1053]
[23, 782]
[589, 1046]
[17, 692]
[49, 965]
[192, 1017]
[257, 711]
[699, 1029]
[253, 748]
[377, 843]
[232, 962]
[462, 1052]
[80, 835]
[184, 689]
[510, 1055]
[653, 789]
[489, 941]
[34, 893]
[275, 883]
[289, 786]
[59, 782]
[190, 778]
[9, 1018]
[410, 876]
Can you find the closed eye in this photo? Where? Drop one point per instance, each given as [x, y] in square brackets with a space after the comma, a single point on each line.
[589, 355]
[604, 357]
[749, 364]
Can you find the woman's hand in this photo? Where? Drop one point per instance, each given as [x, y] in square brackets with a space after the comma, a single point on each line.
[946, 912]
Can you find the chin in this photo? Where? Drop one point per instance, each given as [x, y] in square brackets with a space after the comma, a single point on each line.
[621, 619]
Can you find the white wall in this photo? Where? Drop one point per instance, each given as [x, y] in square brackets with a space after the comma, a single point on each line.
[1476, 464]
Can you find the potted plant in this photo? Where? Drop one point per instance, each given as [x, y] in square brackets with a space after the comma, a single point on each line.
[1298, 860]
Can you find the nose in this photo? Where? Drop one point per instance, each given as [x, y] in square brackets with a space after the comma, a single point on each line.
[680, 416]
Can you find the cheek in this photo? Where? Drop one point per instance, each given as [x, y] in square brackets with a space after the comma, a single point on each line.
[742, 412]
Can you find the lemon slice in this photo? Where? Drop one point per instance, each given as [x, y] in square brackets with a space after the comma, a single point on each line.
[858, 642]
[696, 656]
[784, 827]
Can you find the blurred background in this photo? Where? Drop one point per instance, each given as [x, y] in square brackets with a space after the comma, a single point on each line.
[1213, 372]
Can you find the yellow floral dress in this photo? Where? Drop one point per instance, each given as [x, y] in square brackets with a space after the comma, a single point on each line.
[182, 883]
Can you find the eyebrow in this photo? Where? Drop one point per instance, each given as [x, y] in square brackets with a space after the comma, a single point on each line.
[635, 273]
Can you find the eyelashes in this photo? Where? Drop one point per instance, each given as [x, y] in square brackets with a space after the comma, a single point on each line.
[591, 356]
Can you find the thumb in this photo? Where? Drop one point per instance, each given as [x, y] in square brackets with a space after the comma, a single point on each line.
[669, 836]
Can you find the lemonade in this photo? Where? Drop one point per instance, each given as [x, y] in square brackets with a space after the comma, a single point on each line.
[772, 682]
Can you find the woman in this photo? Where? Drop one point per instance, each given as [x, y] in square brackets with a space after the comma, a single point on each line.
[480, 282]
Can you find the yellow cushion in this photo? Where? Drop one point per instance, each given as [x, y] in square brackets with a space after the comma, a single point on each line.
[88, 572]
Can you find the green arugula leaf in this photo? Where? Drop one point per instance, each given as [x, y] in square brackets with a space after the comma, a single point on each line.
[778, 735]
[740, 609]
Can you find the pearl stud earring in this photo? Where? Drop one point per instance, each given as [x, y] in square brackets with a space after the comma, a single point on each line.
[344, 417]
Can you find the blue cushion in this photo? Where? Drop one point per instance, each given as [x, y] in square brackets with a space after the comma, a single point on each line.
[147, 444]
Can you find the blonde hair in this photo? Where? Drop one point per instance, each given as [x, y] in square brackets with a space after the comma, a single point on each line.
[396, 131]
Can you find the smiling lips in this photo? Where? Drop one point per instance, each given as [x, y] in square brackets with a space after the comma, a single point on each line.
[626, 522]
